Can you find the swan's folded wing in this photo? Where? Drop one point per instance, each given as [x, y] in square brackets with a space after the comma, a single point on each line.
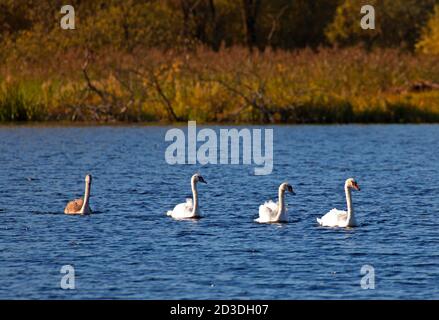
[189, 203]
[340, 214]
[183, 207]
[74, 206]
[186, 206]
[333, 218]
[182, 210]
[267, 211]
[272, 205]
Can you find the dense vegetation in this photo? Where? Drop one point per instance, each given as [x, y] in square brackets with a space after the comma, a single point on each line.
[255, 61]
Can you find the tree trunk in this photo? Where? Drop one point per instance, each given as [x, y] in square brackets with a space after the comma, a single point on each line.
[250, 11]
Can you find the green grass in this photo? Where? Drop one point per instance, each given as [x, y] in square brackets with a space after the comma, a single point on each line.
[20, 102]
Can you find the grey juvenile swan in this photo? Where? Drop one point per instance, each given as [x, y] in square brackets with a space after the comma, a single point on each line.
[81, 206]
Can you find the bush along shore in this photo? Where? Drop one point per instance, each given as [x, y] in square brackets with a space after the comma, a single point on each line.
[234, 84]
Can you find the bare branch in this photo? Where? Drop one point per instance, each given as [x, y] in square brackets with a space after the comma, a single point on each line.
[275, 23]
[90, 85]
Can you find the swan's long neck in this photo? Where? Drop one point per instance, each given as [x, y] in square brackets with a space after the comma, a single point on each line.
[195, 197]
[347, 191]
[86, 197]
[281, 208]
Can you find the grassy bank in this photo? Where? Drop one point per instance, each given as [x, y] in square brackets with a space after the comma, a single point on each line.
[232, 85]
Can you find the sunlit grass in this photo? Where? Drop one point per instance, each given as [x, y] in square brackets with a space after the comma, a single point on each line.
[21, 102]
[232, 85]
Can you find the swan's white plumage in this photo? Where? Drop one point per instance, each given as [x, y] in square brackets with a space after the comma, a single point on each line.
[340, 218]
[273, 206]
[190, 208]
[268, 212]
[183, 210]
[334, 218]
[272, 211]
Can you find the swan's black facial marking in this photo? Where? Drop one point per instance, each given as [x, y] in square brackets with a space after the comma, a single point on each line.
[355, 185]
[290, 189]
[201, 179]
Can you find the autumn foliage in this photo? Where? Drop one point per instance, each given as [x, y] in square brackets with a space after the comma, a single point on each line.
[220, 61]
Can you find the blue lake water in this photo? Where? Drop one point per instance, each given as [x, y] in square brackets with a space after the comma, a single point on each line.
[130, 249]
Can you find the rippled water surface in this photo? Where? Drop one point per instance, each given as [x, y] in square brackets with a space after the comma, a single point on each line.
[130, 249]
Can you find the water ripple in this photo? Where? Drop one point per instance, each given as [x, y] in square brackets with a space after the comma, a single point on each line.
[130, 249]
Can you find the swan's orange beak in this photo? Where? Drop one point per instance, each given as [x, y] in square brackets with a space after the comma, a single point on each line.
[357, 187]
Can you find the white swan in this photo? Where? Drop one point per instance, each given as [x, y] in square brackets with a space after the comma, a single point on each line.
[275, 212]
[189, 209]
[80, 206]
[340, 218]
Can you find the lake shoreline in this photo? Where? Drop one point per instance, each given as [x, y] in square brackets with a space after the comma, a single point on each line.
[52, 124]
[230, 86]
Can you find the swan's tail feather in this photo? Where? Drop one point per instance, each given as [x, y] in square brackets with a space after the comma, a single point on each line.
[319, 221]
[169, 213]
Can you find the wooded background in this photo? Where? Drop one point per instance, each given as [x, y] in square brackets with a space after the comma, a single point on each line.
[219, 60]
